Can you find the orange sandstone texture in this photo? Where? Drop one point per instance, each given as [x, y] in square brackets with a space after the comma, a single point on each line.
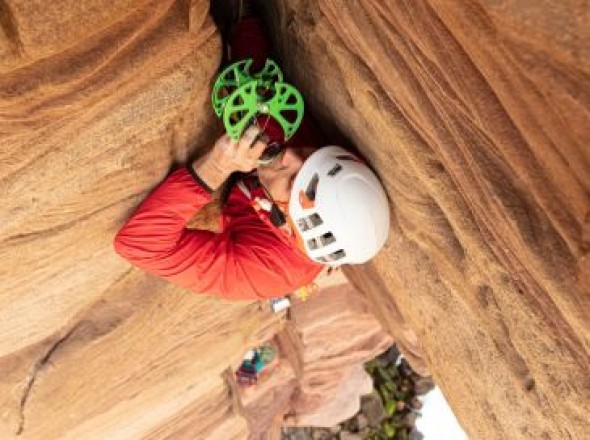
[328, 340]
[97, 100]
[319, 377]
[476, 117]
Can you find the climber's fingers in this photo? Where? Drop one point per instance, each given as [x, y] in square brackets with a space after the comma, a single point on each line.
[247, 140]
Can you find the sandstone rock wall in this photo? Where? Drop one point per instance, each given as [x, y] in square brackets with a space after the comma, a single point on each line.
[328, 339]
[476, 117]
[319, 377]
[97, 100]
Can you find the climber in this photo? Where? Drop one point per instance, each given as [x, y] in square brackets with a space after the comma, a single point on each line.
[293, 212]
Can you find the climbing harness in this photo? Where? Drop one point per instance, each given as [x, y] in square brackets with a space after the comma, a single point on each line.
[240, 96]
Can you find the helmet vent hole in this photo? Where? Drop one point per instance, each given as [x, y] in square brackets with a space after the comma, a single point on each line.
[309, 222]
[338, 255]
[312, 187]
[315, 220]
[347, 157]
[327, 238]
[337, 168]
[321, 241]
[334, 256]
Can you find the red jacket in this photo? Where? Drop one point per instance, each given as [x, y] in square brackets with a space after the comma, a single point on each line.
[249, 259]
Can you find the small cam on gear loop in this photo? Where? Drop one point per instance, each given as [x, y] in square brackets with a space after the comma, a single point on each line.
[239, 97]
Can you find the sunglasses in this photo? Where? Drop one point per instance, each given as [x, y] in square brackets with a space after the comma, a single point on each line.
[272, 152]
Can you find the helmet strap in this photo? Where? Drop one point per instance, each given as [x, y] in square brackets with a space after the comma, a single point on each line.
[277, 217]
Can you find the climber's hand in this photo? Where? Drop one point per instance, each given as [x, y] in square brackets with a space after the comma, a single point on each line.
[228, 156]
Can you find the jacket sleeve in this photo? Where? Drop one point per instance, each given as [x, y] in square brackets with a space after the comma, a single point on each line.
[244, 264]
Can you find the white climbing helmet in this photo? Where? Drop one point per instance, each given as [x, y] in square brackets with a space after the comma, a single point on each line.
[339, 208]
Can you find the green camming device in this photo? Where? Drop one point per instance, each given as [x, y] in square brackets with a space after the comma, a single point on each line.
[239, 97]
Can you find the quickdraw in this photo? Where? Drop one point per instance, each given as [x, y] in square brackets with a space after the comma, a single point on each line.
[239, 97]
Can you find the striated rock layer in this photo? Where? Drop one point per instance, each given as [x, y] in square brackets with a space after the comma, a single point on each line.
[318, 377]
[328, 340]
[97, 100]
[476, 117]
